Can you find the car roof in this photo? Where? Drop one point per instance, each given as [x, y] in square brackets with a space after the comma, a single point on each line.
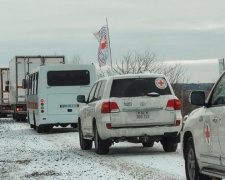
[127, 76]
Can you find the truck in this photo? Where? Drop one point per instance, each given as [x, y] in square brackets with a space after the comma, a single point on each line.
[4, 95]
[19, 69]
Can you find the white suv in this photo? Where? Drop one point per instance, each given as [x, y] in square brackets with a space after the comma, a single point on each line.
[203, 137]
[138, 108]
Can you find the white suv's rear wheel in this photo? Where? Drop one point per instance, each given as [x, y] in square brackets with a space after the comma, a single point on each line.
[85, 144]
[101, 146]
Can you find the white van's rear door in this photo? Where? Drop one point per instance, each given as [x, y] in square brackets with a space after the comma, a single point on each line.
[62, 104]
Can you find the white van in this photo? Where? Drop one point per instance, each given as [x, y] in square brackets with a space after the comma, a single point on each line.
[52, 94]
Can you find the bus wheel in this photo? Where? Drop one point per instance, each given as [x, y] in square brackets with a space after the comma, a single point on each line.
[39, 129]
[47, 128]
[15, 117]
[33, 126]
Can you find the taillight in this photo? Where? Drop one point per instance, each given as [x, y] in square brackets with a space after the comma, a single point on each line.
[6, 107]
[42, 105]
[19, 109]
[108, 126]
[108, 107]
[177, 123]
[173, 104]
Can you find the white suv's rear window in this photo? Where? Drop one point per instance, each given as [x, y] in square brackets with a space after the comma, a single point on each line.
[135, 87]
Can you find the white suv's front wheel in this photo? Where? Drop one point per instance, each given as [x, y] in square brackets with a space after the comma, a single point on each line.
[85, 144]
[191, 164]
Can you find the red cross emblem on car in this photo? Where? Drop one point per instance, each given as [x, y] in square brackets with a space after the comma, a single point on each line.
[207, 133]
[160, 82]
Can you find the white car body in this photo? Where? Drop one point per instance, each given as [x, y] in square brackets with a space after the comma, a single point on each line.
[203, 137]
[144, 118]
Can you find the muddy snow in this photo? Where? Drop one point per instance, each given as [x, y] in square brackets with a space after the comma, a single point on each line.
[25, 154]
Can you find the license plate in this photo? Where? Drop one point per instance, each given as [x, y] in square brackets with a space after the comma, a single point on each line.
[143, 115]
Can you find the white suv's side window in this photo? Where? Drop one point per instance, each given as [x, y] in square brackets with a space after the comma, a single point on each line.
[97, 90]
[100, 91]
[91, 95]
[218, 96]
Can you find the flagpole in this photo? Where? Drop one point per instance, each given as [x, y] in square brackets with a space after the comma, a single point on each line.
[109, 42]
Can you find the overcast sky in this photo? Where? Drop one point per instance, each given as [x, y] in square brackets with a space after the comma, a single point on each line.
[175, 29]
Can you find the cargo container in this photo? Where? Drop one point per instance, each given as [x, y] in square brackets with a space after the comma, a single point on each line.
[20, 67]
[4, 95]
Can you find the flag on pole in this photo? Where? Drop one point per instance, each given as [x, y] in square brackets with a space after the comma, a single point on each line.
[104, 50]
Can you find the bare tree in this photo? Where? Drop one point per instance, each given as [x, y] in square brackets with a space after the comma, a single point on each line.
[147, 61]
[76, 59]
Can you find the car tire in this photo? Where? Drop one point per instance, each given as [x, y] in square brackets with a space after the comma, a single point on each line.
[101, 146]
[168, 146]
[85, 144]
[148, 144]
[191, 164]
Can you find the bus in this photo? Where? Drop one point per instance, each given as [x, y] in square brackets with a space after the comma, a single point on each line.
[52, 94]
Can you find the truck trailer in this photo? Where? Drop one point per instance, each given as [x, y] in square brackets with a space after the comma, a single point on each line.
[19, 68]
[4, 95]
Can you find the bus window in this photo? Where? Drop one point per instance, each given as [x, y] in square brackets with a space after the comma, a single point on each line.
[68, 78]
[36, 83]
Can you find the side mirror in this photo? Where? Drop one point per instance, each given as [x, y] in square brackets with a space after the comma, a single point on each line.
[197, 98]
[81, 99]
[24, 84]
[7, 88]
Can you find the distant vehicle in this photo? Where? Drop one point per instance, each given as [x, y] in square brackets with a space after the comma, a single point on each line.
[138, 108]
[4, 94]
[52, 94]
[20, 67]
[203, 137]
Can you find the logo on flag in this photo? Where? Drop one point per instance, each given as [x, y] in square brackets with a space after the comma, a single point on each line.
[103, 51]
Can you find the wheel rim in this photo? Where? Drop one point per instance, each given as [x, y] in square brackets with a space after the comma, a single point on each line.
[191, 163]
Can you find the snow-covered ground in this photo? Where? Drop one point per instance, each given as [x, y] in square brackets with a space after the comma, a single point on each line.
[25, 154]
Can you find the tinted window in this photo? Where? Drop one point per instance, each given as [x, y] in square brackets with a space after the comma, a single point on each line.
[138, 87]
[91, 95]
[97, 90]
[100, 94]
[68, 78]
[218, 96]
